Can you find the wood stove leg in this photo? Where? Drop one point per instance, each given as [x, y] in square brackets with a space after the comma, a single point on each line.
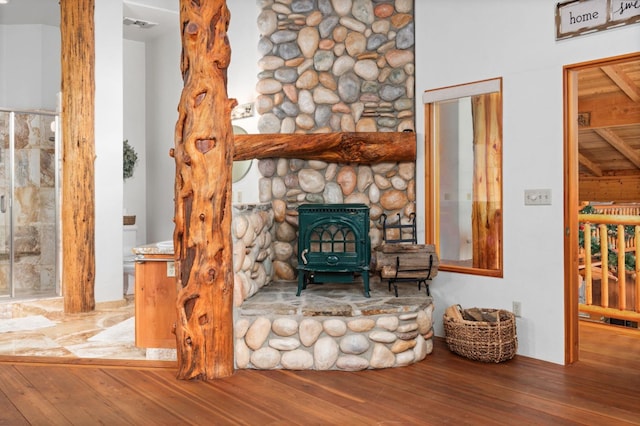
[365, 278]
[301, 276]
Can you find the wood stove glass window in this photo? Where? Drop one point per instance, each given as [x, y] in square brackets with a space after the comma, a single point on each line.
[464, 176]
[332, 238]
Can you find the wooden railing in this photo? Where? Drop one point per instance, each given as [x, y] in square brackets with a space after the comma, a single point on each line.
[617, 209]
[611, 290]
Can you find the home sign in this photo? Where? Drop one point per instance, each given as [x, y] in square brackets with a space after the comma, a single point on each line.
[579, 17]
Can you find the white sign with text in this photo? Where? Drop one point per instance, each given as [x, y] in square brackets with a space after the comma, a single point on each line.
[586, 16]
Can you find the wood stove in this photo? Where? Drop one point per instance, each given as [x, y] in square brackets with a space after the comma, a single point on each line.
[333, 244]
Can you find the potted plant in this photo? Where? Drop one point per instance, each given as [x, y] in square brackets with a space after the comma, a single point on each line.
[129, 160]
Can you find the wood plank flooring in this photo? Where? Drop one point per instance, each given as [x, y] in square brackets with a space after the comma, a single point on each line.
[601, 389]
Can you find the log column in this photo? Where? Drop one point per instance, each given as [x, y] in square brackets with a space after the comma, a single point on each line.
[486, 215]
[204, 156]
[78, 155]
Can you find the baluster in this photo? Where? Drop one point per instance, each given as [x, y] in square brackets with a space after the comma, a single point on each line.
[604, 253]
[637, 295]
[622, 275]
[588, 280]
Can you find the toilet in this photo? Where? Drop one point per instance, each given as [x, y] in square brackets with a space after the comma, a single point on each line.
[128, 258]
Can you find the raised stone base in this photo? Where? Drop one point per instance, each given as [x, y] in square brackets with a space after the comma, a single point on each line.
[333, 327]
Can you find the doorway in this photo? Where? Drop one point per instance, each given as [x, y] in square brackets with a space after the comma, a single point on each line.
[600, 145]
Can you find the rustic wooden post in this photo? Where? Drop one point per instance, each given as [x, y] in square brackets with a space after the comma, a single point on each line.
[486, 215]
[204, 156]
[78, 155]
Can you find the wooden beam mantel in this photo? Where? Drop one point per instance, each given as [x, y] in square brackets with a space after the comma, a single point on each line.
[340, 147]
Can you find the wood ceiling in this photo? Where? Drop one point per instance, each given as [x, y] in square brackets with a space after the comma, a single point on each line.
[609, 115]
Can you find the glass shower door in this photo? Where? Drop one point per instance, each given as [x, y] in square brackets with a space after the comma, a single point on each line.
[34, 206]
[28, 208]
[5, 212]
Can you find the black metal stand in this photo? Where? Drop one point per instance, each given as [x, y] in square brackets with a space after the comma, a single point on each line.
[415, 276]
[406, 236]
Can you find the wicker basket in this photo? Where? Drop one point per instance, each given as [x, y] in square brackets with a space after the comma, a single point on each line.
[486, 341]
[129, 220]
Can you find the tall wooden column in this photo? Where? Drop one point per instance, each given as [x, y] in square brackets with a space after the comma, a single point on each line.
[204, 156]
[486, 215]
[78, 154]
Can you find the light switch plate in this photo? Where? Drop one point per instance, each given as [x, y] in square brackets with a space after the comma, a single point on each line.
[537, 197]
[171, 269]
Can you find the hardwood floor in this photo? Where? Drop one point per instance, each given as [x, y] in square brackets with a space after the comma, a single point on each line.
[601, 389]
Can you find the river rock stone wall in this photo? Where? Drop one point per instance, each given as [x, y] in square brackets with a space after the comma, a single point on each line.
[335, 65]
[333, 343]
[388, 188]
[252, 252]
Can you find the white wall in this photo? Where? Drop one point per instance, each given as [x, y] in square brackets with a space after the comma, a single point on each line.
[51, 67]
[242, 72]
[515, 40]
[29, 67]
[134, 115]
[108, 142]
[164, 86]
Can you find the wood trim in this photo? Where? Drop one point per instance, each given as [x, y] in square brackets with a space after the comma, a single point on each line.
[428, 181]
[88, 362]
[595, 63]
[497, 273]
[571, 345]
[435, 177]
[432, 191]
[457, 91]
[571, 190]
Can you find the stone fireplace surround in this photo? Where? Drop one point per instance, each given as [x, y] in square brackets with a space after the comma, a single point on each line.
[336, 65]
[327, 66]
[333, 327]
[329, 327]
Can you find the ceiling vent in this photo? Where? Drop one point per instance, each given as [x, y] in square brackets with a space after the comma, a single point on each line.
[138, 22]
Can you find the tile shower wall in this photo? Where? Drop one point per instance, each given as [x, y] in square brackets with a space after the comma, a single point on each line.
[34, 206]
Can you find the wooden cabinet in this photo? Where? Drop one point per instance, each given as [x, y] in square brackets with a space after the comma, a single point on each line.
[155, 302]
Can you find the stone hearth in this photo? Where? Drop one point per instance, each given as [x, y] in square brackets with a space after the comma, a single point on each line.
[333, 327]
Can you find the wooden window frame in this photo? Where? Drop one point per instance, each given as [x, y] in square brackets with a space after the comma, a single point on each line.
[432, 170]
